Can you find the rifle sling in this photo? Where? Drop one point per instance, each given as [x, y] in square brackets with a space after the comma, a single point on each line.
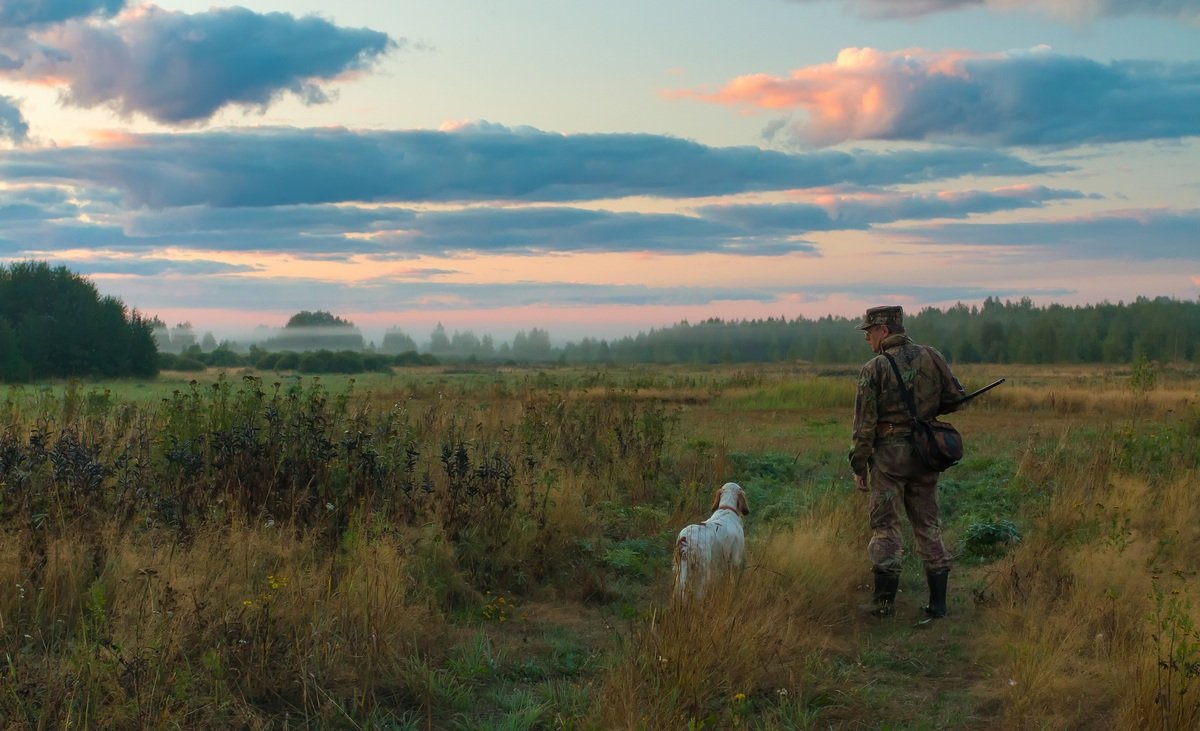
[905, 391]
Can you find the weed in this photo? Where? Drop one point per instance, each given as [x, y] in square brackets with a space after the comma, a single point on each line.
[988, 540]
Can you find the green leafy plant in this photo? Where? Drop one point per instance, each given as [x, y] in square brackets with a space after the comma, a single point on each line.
[989, 540]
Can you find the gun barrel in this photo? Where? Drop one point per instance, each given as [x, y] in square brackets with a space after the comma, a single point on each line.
[981, 391]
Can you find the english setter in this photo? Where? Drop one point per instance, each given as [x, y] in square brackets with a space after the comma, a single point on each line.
[705, 550]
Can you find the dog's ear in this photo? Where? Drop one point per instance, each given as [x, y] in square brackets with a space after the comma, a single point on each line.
[743, 506]
[716, 500]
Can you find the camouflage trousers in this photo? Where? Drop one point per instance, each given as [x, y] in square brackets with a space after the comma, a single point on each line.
[899, 478]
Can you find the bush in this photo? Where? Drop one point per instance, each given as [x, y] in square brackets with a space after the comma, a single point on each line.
[316, 361]
[288, 360]
[413, 358]
[170, 362]
[345, 361]
[225, 358]
[990, 540]
[267, 361]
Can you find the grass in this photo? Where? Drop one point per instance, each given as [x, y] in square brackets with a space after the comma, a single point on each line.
[489, 548]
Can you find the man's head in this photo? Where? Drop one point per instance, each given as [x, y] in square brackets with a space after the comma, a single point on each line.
[879, 322]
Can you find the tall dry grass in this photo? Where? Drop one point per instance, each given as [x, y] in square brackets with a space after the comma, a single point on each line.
[233, 629]
[745, 653]
[1092, 621]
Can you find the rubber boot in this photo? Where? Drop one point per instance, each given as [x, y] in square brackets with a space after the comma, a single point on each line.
[883, 601]
[936, 609]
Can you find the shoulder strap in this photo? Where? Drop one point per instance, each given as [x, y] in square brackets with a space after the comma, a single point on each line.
[941, 364]
[904, 390]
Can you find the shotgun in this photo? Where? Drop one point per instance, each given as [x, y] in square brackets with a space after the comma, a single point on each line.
[980, 392]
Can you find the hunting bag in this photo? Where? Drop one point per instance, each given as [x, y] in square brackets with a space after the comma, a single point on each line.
[938, 443]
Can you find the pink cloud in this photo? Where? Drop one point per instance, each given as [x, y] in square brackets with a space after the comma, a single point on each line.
[1030, 98]
[858, 96]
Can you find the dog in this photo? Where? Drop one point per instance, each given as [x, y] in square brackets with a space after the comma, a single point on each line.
[704, 551]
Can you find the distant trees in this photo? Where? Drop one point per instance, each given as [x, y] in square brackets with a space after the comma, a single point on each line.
[320, 318]
[396, 342]
[534, 345]
[1162, 329]
[55, 324]
[310, 361]
[318, 330]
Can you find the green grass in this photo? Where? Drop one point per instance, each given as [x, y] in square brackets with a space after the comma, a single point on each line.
[802, 393]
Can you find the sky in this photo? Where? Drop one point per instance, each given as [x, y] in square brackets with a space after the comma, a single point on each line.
[600, 169]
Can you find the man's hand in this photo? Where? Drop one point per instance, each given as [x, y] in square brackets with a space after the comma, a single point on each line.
[860, 482]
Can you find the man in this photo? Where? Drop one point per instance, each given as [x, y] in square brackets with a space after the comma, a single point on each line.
[884, 460]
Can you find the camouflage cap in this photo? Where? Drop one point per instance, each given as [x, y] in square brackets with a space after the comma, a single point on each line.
[890, 315]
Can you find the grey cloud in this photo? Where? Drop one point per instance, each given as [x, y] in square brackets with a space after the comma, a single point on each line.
[285, 220]
[277, 294]
[542, 230]
[182, 68]
[410, 274]
[13, 126]
[390, 233]
[386, 233]
[852, 212]
[1078, 9]
[153, 267]
[22, 13]
[861, 212]
[249, 294]
[1146, 235]
[882, 291]
[20, 206]
[281, 166]
[1043, 99]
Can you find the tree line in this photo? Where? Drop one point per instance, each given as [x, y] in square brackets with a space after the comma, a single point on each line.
[55, 324]
[1159, 329]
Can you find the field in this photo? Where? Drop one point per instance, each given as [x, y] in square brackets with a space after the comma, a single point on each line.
[490, 549]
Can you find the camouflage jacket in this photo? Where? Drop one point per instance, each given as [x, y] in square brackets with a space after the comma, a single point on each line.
[879, 401]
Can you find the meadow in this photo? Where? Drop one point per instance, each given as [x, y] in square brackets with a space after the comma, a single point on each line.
[489, 548]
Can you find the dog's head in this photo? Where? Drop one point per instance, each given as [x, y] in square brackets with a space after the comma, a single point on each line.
[731, 495]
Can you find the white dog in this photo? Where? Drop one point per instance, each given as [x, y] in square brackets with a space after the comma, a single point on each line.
[705, 550]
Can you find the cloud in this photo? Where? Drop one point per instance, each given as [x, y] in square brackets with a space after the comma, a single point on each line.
[179, 68]
[1136, 235]
[1070, 9]
[916, 293]
[152, 267]
[23, 13]
[532, 231]
[12, 123]
[249, 293]
[389, 233]
[862, 211]
[1035, 98]
[283, 166]
[35, 207]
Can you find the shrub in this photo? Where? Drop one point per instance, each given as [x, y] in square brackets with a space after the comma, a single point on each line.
[990, 539]
[288, 360]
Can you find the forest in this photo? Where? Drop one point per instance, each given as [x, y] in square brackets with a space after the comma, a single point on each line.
[1161, 329]
[55, 324]
[1156, 329]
